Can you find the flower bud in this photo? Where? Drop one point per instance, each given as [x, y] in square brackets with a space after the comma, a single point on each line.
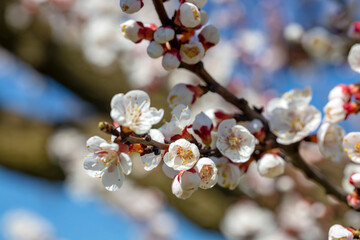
[203, 126]
[354, 58]
[341, 91]
[131, 6]
[353, 200]
[355, 180]
[271, 165]
[189, 15]
[192, 52]
[198, 3]
[338, 232]
[164, 34]
[209, 36]
[155, 50]
[131, 29]
[256, 127]
[171, 60]
[354, 30]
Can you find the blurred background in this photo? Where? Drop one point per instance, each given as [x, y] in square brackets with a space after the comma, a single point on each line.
[61, 61]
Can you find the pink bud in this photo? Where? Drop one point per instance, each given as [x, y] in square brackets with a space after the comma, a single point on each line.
[132, 30]
[355, 179]
[171, 60]
[164, 34]
[354, 30]
[209, 36]
[342, 91]
[203, 126]
[353, 201]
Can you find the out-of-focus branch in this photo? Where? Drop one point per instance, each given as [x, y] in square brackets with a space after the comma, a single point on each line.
[292, 151]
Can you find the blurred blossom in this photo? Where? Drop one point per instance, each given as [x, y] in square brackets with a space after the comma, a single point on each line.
[350, 168]
[20, 224]
[245, 220]
[323, 45]
[295, 214]
[17, 16]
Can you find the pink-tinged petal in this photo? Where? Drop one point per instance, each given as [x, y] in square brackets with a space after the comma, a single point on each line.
[93, 166]
[178, 191]
[113, 178]
[93, 143]
[125, 163]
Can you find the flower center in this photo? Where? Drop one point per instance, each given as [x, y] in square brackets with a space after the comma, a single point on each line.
[191, 52]
[206, 172]
[234, 141]
[184, 154]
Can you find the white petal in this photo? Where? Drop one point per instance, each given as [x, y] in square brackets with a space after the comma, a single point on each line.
[93, 165]
[190, 181]
[207, 171]
[170, 172]
[225, 127]
[125, 163]
[113, 178]
[150, 161]
[351, 144]
[93, 143]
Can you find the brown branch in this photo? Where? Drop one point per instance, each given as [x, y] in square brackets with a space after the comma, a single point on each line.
[146, 141]
[292, 151]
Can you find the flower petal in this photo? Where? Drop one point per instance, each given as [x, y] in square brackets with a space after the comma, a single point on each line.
[113, 178]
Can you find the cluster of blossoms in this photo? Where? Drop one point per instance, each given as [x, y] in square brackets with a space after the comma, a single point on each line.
[195, 153]
[188, 18]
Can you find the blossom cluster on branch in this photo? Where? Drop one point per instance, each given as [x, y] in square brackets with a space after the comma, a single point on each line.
[217, 147]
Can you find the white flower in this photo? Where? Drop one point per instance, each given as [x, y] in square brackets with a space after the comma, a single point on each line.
[271, 165]
[330, 137]
[130, 29]
[152, 160]
[164, 34]
[355, 180]
[181, 94]
[246, 220]
[207, 171]
[181, 117]
[171, 60]
[338, 232]
[354, 30]
[351, 144]
[203, 126]
[185, 184]
[291, 118]
[108, 162]
[182, 155]
[290, 125]
[235, 141]
[189, 15]
[341, 91]
[228, 173]
[198, 3]
[354, 58]
[209, 36]
[133, 110]
[335, 111]
[131, 6]
[192, 52]
[155, 50]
